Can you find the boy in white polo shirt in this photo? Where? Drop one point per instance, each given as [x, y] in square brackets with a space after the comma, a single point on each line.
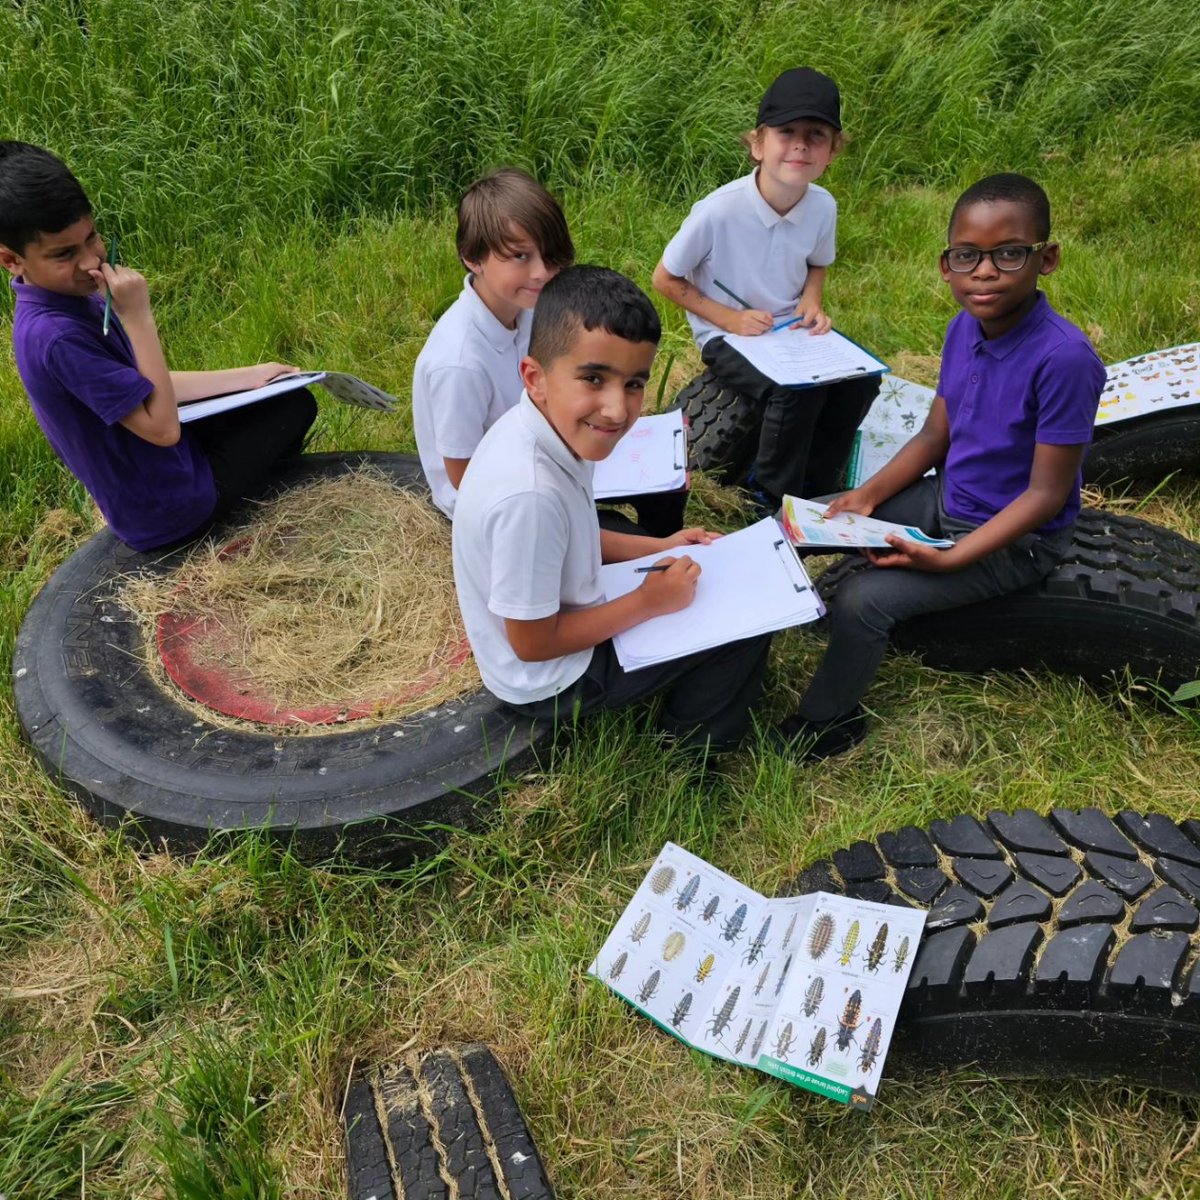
[512, 238]
[756, 251]
[528, 547]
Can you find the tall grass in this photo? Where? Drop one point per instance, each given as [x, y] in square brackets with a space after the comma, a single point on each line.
[284, 172]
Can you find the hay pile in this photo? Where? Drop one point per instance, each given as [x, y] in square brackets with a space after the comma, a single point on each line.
[335, 593]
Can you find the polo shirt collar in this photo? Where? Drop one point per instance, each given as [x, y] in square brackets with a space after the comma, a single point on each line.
[765, 213]
[549, 441]
[29, 293]
[1006, 343]
[482, 317]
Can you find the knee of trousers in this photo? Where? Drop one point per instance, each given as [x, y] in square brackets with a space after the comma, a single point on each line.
[861, 605]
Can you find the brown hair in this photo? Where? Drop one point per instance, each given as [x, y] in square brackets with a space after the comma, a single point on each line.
[509, 197]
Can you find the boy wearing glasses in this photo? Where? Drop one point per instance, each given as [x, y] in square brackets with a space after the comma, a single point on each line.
[1014, 412]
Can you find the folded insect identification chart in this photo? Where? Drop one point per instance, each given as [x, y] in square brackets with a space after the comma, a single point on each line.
[346, 388]
[651, 457]
[751, 582]
[806, 524]
[804, 988]
[1150, 383]
[899, 411]
[794, 357]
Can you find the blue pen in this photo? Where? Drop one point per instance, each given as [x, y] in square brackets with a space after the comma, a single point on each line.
[785, 323]
[112, 262]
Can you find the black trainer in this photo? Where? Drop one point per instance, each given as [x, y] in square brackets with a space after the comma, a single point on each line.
[812, 741]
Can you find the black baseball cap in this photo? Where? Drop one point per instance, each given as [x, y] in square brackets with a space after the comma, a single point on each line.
[801, 93]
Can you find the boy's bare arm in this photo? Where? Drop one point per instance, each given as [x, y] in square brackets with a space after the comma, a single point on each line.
[1050, 481]
[456, 468]
[748, 321]
[199, 385]
[810, 308]
[621, 547]
[927, 448]
[569, 632]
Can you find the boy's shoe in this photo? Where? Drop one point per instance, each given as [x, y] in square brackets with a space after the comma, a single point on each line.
[761, 501]
[812, 741]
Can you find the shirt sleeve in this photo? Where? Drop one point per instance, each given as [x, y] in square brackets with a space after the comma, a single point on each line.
[459, 398]
[526, 539]
[690, 246]
[1067, 385]
[110, 387]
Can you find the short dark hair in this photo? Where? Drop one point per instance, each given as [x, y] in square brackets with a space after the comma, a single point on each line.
[1020, 189]
[492, 205]
[38, 195]
[590, 298]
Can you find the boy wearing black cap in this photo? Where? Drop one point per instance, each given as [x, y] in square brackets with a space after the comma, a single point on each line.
[755, 252]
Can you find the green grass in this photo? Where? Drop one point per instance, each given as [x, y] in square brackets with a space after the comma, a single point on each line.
[285, 175]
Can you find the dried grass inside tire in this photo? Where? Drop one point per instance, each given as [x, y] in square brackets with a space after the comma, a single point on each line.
[126, 748]
[1125, 598]
[1055, 947]
[439, 1126]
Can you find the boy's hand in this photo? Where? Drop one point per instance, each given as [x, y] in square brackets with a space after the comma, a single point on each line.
[853, 501]
[812, 317]
[689, 537]
[748, 322]
[914, 556]
[129, 291]
[670, 590]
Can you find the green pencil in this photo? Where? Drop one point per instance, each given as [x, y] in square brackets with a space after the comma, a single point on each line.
[731, 295]
[112, 262]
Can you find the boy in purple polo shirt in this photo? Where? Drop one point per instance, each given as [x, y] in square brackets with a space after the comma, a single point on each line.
[1014, 412]
[106, 401]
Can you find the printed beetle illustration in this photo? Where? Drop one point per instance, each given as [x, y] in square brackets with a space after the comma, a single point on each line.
[787, 966]
[762, 979]
[901, 956]
[614, 972]
[813, 994]
[744, 1035]
[876, 950]
[758, 1040]
[640, 929]
[681, 1011]
[787, 937]
[673, 946]
[754, 951]
[820, 937]
[732, 928]
[848, 944]
[850, 1020]
[649, 987]
[724, 1015]
[785, 1040]
[870, 1048]
[662, 879]
[711, 908]
[816, 1049]
[704, 970]
[686, 896]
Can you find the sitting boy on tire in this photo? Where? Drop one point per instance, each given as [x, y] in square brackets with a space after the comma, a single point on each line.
[769, 238]
[1014, 412]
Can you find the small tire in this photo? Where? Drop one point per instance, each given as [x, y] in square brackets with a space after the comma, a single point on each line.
[723, 427]
[441, 1125]
[1125, 599]
[1145, 449]
[105, 729]
[1054, 947]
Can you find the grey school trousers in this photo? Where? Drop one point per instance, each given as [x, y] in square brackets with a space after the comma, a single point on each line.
[707, 697]
[870, 602]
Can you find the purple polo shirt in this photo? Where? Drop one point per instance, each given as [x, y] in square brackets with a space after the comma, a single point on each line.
[81, 385]
[1039, 382]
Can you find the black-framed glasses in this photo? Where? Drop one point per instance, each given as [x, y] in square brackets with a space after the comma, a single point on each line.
[961, 259]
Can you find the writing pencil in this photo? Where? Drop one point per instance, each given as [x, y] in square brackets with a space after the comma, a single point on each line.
[112, 262]
[647, 570]
[731, 295]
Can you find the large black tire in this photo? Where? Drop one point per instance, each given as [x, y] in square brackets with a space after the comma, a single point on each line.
[1124, 599]
[1053, 948]
[126, 748]
[440, 1126]
[1146, 449]
[723, 427]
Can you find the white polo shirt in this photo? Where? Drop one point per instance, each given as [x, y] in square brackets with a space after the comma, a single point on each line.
[735, 236]
[526, 545]
[465, 379]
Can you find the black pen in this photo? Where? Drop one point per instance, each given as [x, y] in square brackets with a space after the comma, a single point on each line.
[647, 570]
